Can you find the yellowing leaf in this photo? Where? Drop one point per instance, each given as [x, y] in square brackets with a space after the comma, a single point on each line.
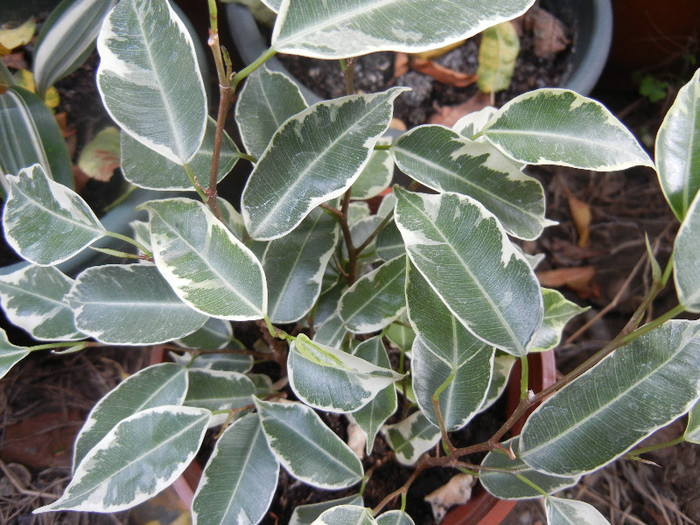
[17, 36]
[434, 53]
[25, 79]
[497, 54]
[100, 157]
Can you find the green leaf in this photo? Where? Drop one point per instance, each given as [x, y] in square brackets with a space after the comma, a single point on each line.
[375, 177]
[692, 432]
[148, 169]
[562, 511]
[502, 366]
[640, 388]
[138, 458]
[66, 39]
[557, 312]
[33, 298]
[390, 243]
[466, 257]
[29, 134]
[498, 52]
[10, 354]
[148, 62]
[218, 390]
[265, 102]
[130, 305]
[306, 514]
[376, 300]
[314, 156]
[330, 379]
[560, 127]
[306, 447]
[294, 266]
[334, 29]
[401, 334]
[240, 478]
[411, 437]
[157, 385]
[45, 222]
[394, 517]
[207, 266]
[443, 160]
[346, 515]
[506, 485]
[215, 334]
[374, 414]
[686, 259]
[678, 149]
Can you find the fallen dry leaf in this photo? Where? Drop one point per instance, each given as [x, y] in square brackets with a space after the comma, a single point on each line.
[579, 279]
[449, 115]
[581, 214]
[442, 74]
[548, 31]
[457, 491]
[401, 64]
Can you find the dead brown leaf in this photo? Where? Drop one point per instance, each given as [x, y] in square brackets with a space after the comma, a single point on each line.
[448, 115]
[442, 74]
[401, 64]
[548, 31]
[581, 214]
[579, 279]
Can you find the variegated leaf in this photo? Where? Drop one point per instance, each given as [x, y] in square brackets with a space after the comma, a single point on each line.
[10, 354]
[557, 312]
[411, 437]
[502, 366]
[346, 515]
[692, 432]
[394, 517]
[376, 175]
[686, 259]
[306, 514]
[561, 511]
[215, 334]
[218, 389]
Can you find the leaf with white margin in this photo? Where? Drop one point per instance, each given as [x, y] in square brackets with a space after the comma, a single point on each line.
[376, 299]
[332, 332]
[678, 149]
[335, 29]
[506, 485]
[145, 168]
[45, 222]
[149, 78]
[207, 266]
[472, 123]
[389, 242]
[33, 299]
[502, 366]
[313, 157]
[557, 312]
[232, 219]
[443, 160]
[640, 388]
[463, 252]
[306, 514]
[411, 437]
[330, 379]
[294, 266]
[214, 335]
[141, 234]
[375, 177]
[240, 478]
[273, 5]
[130, 304]
[306, 447]
[374, 414]
[10, 354]
[224, 362]
[267, 99]
[360, 231]
[346, 515]
[157, 385]
[692, 432]
[218, 389]
[561, 511]
[394, 517]
[560, 127]
[142, 455]
[686, 259]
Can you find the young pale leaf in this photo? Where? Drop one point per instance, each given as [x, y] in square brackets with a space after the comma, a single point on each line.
[374, 414]
[465, 255]
[502, 366]
[148, 169]
[443, 160]
[346, 515]
[375, 177]
[157, 385]
[394, 517]
[240, 478]
[139, 457]
[376, 300]
[66, 39]
[692, 432]
[215, 334]
[330, 379]
[10, 354]
[294, 266]
[33, 299]
[678, 148]
[306, 447]
[640, 388]
[218, 390]
[411, 437]
[506, 485]
[498, 51]
[558, 126]
[130, 305]
[686, 259]
[207, 266]
[29, 134]
[557, 312]
[148, 61]
[45, 222]
[562, 511]
[401, 334]
[314, 156]
[306, 514]
[334, 29]
[265, 102]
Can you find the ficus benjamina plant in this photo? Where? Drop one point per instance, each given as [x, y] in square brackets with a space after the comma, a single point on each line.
[434, 276]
